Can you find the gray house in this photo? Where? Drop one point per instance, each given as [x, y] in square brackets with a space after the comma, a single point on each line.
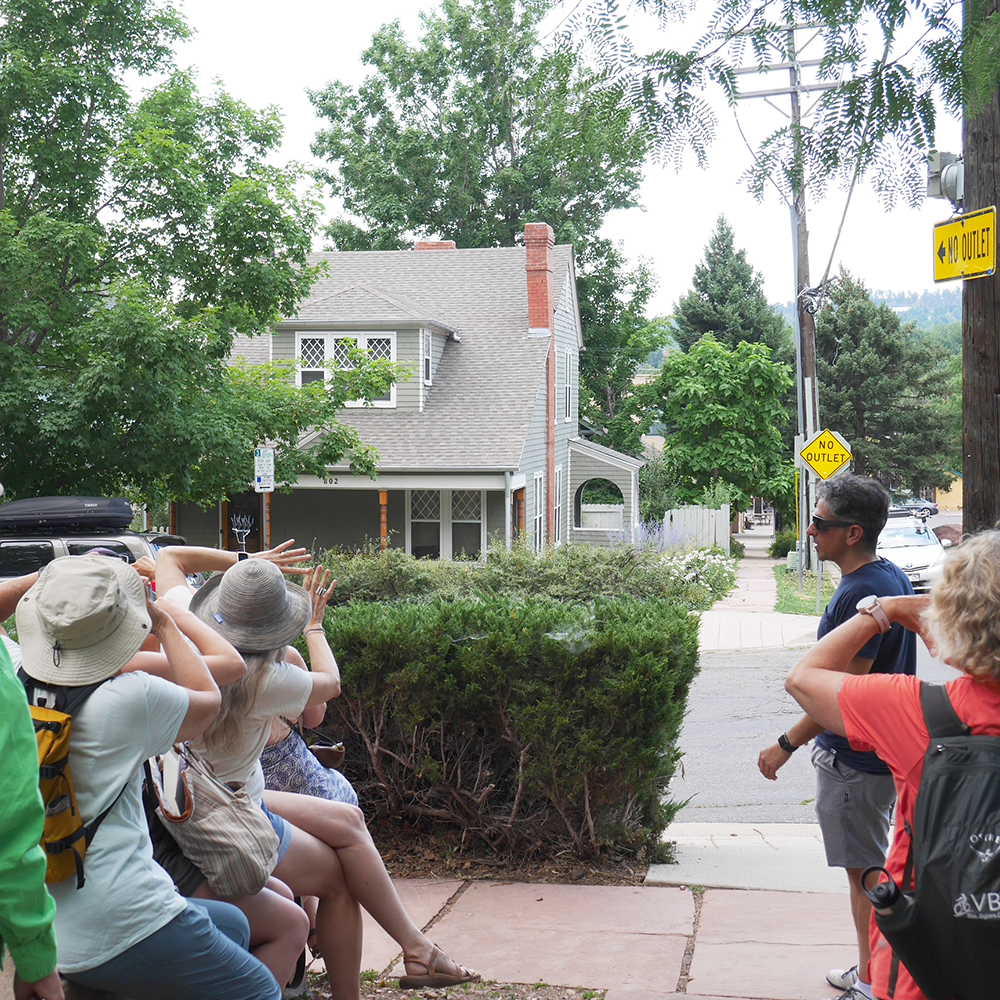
[481, 445]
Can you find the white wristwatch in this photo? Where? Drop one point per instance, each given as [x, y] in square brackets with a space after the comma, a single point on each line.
[870, 606]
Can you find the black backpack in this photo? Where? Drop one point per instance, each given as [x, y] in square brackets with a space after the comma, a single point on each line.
[945, 924]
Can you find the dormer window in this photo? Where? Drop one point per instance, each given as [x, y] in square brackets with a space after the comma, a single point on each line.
[320, 353]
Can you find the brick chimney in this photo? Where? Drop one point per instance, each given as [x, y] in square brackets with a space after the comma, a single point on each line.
[435, 245]
[538, 242]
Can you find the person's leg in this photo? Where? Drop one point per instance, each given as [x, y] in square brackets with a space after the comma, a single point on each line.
[278, 926]
[343, 828]
[188, 959]
[311, 867]
[861, 909]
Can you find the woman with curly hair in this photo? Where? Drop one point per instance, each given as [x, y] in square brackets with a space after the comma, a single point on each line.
[882, 712]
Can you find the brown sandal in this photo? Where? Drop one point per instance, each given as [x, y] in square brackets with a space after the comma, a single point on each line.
[434, 978]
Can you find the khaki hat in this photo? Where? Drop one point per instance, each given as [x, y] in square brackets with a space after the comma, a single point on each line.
[82, 621]
[253, 606]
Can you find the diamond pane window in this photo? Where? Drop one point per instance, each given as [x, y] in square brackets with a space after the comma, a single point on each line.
[312, 350]
[425, 505]
[466, 505]
[341, 351]
[380, 348]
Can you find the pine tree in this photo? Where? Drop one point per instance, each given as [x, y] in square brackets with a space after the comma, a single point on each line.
[884, 390]
[728, 301]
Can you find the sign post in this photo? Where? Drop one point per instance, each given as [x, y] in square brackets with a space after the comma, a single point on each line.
[263, 470]
[966, 247]
[826, 454]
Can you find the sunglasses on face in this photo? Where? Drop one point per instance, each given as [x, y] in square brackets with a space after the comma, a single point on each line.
[822, 524]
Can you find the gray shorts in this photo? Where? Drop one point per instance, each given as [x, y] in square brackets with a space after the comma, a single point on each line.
[854, 810]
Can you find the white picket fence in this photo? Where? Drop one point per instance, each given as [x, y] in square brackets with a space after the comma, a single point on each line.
[602, 515]
[698, 526]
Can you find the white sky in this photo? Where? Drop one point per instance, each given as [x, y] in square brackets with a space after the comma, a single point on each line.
[269, 54]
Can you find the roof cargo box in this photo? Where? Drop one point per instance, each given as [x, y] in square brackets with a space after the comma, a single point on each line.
[65, 513]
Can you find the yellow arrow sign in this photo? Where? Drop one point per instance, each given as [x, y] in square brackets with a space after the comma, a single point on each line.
[966, 247]
[826, 454]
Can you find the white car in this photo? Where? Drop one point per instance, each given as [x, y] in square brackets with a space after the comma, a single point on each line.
[915, 549]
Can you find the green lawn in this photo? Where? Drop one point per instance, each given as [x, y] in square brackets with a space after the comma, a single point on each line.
[791, 601]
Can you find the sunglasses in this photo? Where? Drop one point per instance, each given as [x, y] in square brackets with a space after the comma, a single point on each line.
[822, 524]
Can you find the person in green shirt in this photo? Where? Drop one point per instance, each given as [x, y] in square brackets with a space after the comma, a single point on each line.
[26, 908]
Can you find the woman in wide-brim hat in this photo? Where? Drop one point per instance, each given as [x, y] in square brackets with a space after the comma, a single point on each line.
[326, 849]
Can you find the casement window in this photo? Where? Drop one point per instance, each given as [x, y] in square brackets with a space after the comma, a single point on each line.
[557, 519]
[568, 385]
[538, 519]
[320, 353]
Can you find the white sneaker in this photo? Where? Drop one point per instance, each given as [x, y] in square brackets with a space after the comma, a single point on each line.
[852, 993]
[843, 979]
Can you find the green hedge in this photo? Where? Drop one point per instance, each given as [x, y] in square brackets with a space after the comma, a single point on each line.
[530, 725]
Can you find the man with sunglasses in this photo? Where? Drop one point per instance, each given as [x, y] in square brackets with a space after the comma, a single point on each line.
[854, 789]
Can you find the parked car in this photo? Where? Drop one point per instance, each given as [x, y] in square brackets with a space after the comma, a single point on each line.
[29, 540]
[917, 506]
[915, 549]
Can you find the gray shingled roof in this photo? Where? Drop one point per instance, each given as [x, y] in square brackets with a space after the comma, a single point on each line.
[478, 411]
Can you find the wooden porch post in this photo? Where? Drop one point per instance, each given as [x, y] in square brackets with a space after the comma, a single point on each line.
[173, 517]
[383, 507]
[519, 502]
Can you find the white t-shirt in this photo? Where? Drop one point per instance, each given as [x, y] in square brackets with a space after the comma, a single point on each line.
[284, 691]
[127, 896]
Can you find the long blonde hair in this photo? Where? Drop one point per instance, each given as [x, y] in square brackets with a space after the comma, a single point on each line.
[239, 698]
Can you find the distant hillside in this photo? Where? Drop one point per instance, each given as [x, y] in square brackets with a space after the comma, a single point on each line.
[926, 309]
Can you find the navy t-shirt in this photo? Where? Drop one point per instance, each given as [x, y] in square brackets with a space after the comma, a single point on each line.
[892, 653]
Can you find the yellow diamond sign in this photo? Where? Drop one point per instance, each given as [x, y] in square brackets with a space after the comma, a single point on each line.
[826, 454]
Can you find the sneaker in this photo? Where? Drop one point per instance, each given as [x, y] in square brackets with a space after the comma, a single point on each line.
[852, 993]
[843, 979]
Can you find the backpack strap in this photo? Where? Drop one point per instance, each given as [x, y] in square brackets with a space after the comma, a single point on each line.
[939, 713]
[68, 699]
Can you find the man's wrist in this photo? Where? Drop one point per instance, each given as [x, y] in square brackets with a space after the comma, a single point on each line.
[786, 744]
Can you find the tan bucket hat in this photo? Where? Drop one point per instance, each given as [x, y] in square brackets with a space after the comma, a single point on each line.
[82, 621]
[253, 606]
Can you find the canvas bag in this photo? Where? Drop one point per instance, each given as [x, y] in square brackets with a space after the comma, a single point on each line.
[946, 924]
[217, 825]
[65, 836]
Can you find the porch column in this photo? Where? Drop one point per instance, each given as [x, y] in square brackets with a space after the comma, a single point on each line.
[519, 500]
[383, 508]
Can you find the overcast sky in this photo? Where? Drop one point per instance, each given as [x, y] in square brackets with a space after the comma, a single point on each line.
[270, 53]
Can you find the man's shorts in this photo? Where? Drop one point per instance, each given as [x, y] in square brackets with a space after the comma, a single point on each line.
[854, 810]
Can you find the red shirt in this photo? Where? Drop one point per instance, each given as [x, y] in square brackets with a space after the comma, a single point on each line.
[882, 712]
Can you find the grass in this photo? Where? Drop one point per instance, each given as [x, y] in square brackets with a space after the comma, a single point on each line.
[791, 601]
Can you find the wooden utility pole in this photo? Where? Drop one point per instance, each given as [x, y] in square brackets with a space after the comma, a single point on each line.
[980, 328]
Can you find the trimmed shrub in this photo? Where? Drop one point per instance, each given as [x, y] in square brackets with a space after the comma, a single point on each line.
[530, 725]
[784, 542]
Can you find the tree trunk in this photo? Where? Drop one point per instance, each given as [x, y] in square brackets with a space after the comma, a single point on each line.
[980, 348]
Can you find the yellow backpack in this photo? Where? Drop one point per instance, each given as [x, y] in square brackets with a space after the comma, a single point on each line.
[65, 837]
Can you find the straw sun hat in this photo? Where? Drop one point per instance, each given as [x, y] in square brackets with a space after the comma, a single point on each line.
[82, 621]
[253, 606]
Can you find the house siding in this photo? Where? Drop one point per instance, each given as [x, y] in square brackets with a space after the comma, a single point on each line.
[199, 527]
[494, 517]
[339, 518]
[586, 468]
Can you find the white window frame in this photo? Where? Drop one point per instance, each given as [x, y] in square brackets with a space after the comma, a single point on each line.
[557, 520]
[427, 348]
[361, 338]
[538, 512]
[445, 522]
[568, 387]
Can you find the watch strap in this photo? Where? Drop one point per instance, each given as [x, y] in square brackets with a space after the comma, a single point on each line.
[785, 743]
[240, 556]
[881, 618]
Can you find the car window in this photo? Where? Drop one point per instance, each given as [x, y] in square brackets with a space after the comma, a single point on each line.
[80, 548]
[897, 538]
[21, 558]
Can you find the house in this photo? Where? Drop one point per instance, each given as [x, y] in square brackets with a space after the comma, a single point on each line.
[481, 445]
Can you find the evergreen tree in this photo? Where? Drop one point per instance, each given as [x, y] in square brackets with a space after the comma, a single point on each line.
[884, 390]
[728, 301]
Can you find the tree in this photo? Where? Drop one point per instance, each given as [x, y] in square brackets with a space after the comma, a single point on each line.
[137, 237]
[884, 390]
[618, 340]
[473, 132]
[728, 301]
[723, 412]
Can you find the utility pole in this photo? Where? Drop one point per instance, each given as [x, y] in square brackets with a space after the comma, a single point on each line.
[980, 322]
[807, 389]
